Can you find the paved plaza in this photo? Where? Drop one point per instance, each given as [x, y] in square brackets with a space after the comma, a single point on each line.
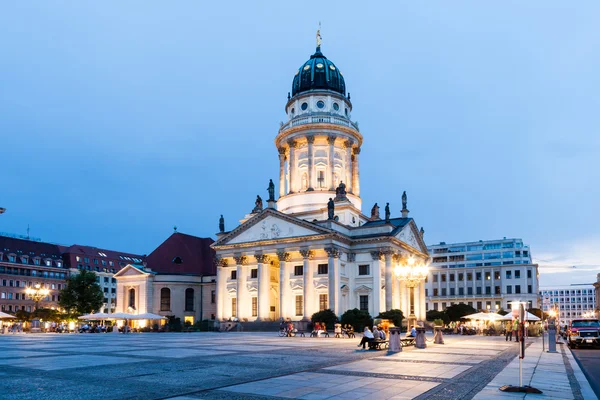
[249, 365]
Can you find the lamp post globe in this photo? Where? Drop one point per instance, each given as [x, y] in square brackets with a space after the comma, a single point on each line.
[412, 272]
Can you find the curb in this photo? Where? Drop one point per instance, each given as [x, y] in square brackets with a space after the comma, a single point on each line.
[586, 390]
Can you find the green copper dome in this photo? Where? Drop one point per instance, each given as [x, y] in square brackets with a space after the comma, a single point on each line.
[318, 73]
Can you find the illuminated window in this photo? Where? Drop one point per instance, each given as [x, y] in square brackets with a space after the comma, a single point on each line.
[322, 302]
[188, 320]
[255, 306]
[299, 305]
[234, 307]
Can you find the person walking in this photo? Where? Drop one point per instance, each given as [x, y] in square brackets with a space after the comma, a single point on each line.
[516, 329]
[509, 331]
[367, 337]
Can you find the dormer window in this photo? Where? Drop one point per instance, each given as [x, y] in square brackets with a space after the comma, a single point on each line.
[36, 261]
[48, 263]
[24, 260]
[12, 258]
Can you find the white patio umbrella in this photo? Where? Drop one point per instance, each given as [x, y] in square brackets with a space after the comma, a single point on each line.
[120, 315]
[94, 316]
[4, 315]
[530, 317]
[484, 316]
[147, 316]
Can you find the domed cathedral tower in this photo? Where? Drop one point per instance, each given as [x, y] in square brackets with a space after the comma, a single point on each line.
[319, 146]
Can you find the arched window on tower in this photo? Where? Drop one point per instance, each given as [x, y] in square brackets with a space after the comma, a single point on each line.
[165, 299]
[189, 299]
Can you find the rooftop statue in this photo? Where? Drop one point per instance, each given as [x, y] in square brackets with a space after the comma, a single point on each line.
[330, 208]
[340, 192]
[258, 205]
[387, 212]
[271, 190]
[404, 200]
[375, 212]
[221, 224]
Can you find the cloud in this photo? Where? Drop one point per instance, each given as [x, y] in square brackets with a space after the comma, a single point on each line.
[575, 262]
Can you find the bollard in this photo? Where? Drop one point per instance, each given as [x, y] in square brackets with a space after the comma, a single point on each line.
[420, 339]
[395, 346]
[438, 337]
[551, 337]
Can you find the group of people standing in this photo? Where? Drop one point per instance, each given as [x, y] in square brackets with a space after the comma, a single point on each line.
[369, 336]
[511, 327]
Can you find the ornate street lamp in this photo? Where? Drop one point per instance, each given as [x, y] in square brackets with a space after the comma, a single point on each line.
[37, 293]
[412, 273]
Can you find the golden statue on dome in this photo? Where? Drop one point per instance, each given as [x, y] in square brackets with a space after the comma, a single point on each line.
[319, 39]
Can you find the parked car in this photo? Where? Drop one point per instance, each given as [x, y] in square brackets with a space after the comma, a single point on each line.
[584, 332]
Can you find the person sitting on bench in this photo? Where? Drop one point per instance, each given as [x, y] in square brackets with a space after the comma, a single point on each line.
[413, 332]
[382, 334]
[367, 337]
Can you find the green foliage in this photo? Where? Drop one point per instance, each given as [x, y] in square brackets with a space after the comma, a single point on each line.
[395, 316]
[82, 294]
[438, 322]
[47, 314]
[326, 316]
[23, 315]
[456, 311]
[502, 311]
[357, 318]
[174, 323]
[432, 315]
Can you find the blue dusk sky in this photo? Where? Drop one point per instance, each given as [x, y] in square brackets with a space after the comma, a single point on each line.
[119, 120]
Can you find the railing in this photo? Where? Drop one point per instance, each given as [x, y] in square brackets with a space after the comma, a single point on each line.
[319, 119]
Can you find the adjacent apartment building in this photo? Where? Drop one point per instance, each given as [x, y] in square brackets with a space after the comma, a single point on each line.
[25, 263]
[487, 275]
[570, 301]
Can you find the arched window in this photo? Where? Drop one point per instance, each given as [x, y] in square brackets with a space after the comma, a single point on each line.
[165, 299]
[189, 299]
[132, 298]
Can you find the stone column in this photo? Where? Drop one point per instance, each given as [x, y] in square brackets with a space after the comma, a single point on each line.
[422, 300]
[284, 285]
[281, 171]
[333, 262]
[389, 280]
[376, 255]
[355, 173]
[221, 287]
[292, 166]
[264, 281]
[331, 141]
[307, 273]
[351, 272]
[242, 288]
[348, 175]
[396, 289]
[417, 304]
[311, 185]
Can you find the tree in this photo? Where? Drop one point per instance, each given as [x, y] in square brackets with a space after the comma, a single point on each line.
[432, 315]
[393, 315]
[357, 318]
[326, 316]
[456, 311]
[47, 314]
[537, 312]
[23, 315]
[82, 294]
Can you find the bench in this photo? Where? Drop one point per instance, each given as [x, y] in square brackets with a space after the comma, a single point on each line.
[407, 342]
[324, 333]
[378, 344]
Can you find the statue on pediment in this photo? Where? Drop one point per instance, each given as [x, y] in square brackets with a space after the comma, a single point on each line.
[258, 205]
[404, 201]
[375, 212]
[340, 192]
[387, 212]
[271, 190]
[221, 224]
[330, 208]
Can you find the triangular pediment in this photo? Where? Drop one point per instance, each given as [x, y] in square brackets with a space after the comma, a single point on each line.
[270, 225]
[411, 236]
[131, 270]
[363, 288]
